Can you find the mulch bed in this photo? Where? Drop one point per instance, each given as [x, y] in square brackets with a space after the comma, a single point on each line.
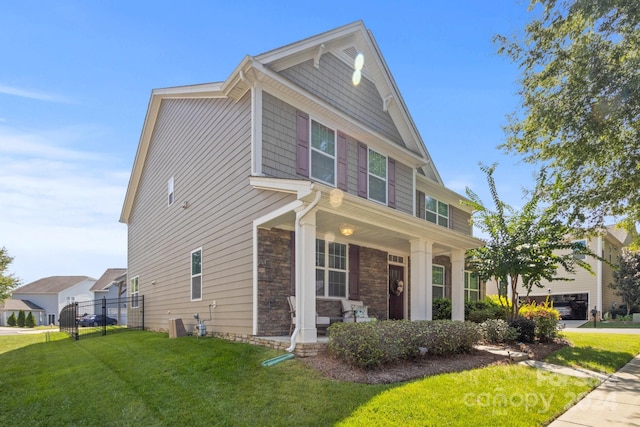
[406, 370]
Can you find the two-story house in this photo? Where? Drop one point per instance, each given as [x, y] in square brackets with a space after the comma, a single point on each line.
[300, 174]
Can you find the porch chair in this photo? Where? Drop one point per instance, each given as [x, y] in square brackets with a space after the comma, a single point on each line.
[355, 311]
[321, 321]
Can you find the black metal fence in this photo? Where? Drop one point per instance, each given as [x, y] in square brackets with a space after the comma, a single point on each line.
[102, 316]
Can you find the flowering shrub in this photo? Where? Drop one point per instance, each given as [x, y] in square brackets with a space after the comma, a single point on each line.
[372, 344]
[545, 317]
[497, 331]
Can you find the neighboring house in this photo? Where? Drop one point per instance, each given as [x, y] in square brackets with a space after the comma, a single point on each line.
[53, 293]
[585, 291]
[11, 306]
[288, 179]
[112, 285]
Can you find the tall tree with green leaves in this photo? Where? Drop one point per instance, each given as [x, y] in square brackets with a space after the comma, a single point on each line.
[627, 279]
[523, 247]
[580, 104]
[7, 281]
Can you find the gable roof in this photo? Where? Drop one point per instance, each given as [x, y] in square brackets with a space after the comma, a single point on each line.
[345, 42]
[108, 277]
[51, 285]
[19, 304]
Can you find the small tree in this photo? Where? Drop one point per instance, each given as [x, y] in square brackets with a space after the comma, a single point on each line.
[627, 279]
[7, 281]
[21, 319]
[31, 321]
[11, 321]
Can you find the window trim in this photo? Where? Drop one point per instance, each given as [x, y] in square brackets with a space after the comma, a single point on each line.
[436, 213]
[467, 289]
[444, 280]
[171, 197]
[322, 153]
[327, 269]
[135, 291]
[191, 277]
[385, 179]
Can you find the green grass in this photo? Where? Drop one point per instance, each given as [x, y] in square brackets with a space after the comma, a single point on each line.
[596, 351]
[145, 378]
[611, 324]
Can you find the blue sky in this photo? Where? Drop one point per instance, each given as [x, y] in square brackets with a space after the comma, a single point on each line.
[76, 76]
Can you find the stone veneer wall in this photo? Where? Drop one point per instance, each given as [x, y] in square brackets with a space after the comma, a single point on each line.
[274, 282]
[374, 282]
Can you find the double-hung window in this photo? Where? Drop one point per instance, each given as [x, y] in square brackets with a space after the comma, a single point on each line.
[377, 172]
[196, 275]
[437, 278]
[170, 192]
[323, 154]
[331, 269]
[134, 289]
[436, 211]
[576, 252]
[471, 286]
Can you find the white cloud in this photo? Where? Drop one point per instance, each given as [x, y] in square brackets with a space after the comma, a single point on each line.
[32, 94]
[61, 205]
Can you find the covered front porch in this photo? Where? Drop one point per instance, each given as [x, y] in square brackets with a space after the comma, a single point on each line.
[327, 246]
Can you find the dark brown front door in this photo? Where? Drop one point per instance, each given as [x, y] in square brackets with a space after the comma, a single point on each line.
[396, 302]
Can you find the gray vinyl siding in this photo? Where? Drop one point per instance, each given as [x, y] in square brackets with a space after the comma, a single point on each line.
[460, 220]
[332, 83]
[205, 145]
[404, 188]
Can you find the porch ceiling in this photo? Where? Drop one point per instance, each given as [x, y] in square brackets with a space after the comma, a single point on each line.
[374, 225]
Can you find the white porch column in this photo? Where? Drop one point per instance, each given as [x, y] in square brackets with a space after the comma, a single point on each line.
[457, 284]
[421, 278]
[305, 279]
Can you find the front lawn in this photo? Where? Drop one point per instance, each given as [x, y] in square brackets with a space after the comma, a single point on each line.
[145, 378]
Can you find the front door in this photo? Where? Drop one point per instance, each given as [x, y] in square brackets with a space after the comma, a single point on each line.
[397, 289]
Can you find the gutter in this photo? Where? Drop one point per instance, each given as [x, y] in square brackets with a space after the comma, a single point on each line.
[299, 216]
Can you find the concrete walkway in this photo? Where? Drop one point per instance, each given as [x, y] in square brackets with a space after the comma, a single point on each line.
[615, 402]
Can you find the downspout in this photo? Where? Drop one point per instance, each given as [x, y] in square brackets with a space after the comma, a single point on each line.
[299, 216]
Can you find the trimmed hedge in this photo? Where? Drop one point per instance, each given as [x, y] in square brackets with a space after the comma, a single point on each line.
[371, 344]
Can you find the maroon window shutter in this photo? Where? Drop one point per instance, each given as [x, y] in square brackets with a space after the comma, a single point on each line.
[354, 272]
[420, 207]
[391, 183]
[302, 144]
[342, 161]
[362, 170]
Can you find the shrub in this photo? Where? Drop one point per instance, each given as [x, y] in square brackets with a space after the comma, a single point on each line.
[441, 309]
[21, 318]
[487, 308]
[11, 321]
[545, 317]
[497, 331]
[30, 322]
[372, 344]
[480, 316]
[526, 329]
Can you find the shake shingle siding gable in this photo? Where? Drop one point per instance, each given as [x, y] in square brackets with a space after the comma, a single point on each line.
[328, 82]
[279, 136]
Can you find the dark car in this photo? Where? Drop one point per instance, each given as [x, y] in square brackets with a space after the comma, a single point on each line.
[96, 320]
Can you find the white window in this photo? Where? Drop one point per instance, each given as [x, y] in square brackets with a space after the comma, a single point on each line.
[134, 289]
[196, 275]
[331, 269]
[437, 283]
[170, 193]
[582, 243]
[323, 154]
[377, 171]
[471, 286]
[436, 211]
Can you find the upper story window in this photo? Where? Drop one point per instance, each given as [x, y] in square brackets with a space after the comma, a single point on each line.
[331, 269]
[377, 172]
[582, 243]
[170, 193]
[196, 275]
[323, 153]
[436, 211]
